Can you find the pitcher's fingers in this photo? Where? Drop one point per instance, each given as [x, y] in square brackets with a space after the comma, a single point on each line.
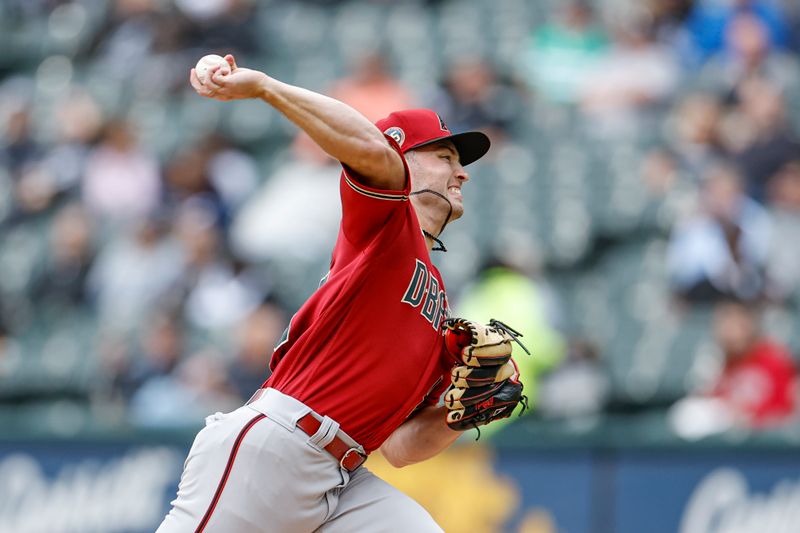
[197, 84]
[217, 77]
[231, 61]
[210, 82]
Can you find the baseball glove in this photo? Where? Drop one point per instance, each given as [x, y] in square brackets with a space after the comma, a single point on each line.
[485, 382]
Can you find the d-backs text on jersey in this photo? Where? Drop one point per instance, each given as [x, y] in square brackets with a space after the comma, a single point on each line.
[424, 292]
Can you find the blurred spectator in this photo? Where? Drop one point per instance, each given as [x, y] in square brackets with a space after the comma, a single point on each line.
[35, 193]
[695, 133]
[159, 350]
[122, 182]
[473, 98]
[78, 124]
[19, 148]
[783, 264]
[660, 173]
[757, 385]
[139, 38]
[257, 337]
[759, 136]
[722, 249]
[277, 224]
[634, 79]
[229, 25]
[694, 145]
[793, 19]
[45, 172]
[17, 10]
[34, 188]
[578, 386]
[187, 180]
[371, 88]
[506, 293]
[214, 172]
[231, 172]
[561, 54]
[132, 271]
[749, 56]
[61, 282]
[110, 391]
[710, 23]
[183, 398]
[214, 293]
[669, 20]
[759, 377]
[11, 353]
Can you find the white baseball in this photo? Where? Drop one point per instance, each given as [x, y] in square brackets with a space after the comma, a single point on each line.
[208, 62]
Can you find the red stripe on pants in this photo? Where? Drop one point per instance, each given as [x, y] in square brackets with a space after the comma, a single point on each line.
[227, 472]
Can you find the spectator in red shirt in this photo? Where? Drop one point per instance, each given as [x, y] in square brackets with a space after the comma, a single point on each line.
[759, 377]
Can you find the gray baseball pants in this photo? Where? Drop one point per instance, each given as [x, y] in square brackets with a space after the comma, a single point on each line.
[254, 470]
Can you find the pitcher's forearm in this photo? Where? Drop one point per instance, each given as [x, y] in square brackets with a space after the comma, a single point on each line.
[419, 438]
[341, 131]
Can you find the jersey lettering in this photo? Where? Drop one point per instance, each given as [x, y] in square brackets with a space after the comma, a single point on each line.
[441, 309]
[431, 301]
[416, 289]
[424, 286]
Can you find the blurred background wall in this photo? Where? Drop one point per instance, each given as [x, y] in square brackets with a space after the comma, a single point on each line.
[638, 219]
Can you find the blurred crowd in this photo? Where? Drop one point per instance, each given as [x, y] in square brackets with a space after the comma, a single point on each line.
[184, 233]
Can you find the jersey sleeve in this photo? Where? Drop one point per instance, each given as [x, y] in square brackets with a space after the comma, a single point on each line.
[366, 209]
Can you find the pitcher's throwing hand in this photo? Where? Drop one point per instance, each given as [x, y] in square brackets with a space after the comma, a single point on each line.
[234, 83]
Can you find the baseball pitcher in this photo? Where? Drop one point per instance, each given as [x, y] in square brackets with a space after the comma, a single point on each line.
[366, 359]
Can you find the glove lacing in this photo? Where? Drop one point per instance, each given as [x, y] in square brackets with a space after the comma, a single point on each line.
[514, 334]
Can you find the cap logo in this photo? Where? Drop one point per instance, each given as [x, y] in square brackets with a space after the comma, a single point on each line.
[397, 134]
[442, 124]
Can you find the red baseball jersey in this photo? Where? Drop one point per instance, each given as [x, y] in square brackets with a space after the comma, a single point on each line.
[761, 384]
[366, 348]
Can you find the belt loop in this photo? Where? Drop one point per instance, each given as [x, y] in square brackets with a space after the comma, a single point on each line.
[349, 455]
[325, 434]
[279, 407]
[256, 395]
